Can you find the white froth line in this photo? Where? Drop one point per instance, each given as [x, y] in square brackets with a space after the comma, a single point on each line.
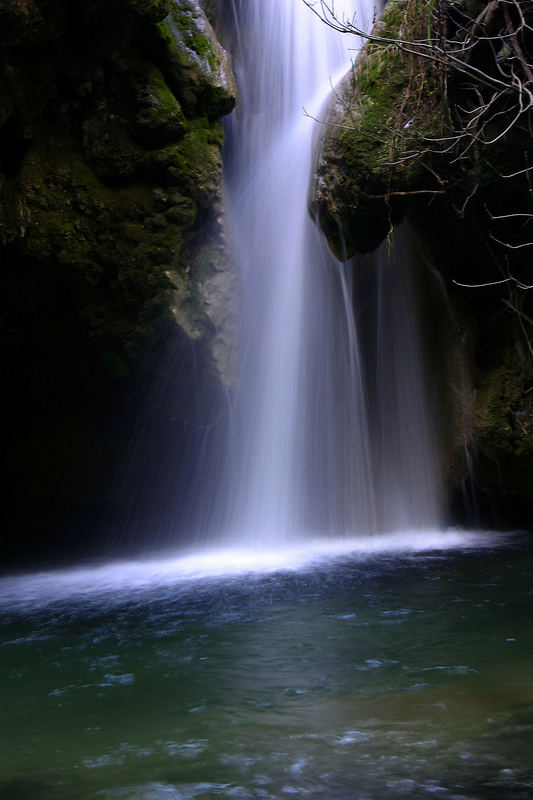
[122, 576]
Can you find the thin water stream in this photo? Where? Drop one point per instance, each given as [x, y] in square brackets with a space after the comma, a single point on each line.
[375, 670]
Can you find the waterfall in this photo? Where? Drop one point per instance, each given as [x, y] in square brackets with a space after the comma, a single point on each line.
[327, 430]
[314, 446]
[297, 442]
[302, 457]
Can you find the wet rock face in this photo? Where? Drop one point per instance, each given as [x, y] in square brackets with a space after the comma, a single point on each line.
[377, 117]
[388, 154]
[110, 173]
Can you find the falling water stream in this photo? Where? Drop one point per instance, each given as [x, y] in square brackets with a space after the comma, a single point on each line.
[331, 642]
[301, 458]
[299, 455]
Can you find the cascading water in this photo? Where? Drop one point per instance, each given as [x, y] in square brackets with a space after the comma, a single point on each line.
[326, 432]
[291, 430]
[301, 458]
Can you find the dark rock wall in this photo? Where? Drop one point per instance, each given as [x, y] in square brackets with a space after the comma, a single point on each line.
[110, 175]
[398, 147]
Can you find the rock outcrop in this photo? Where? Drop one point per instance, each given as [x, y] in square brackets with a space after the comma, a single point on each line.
[110, 174]
[410, 137]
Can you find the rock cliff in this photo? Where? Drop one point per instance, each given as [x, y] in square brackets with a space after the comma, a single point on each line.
[110, 177]
[433, 125]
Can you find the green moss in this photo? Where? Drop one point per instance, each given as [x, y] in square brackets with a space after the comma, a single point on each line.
[181, 210]
[185, 21]
[193, 164]
[394, 105]
[111, 246]
[389, 104]
[215, 134]
[183, 15]
[165, 33]
[160, 90]
[189, 58]
[202, 45]
[160, 118]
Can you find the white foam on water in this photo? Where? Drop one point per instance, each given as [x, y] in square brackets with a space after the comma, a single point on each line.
[119, 579]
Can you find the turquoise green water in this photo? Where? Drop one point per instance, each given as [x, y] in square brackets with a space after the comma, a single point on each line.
[384, 675]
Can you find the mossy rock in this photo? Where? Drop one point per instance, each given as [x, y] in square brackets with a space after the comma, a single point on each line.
[388, 153]
[110, 246]
[106, 183]
[195, 65]
[378, 117]
[210, 10]
[160, 118]
[194, 164]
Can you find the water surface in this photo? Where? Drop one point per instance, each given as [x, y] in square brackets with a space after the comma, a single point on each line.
[386, 669]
